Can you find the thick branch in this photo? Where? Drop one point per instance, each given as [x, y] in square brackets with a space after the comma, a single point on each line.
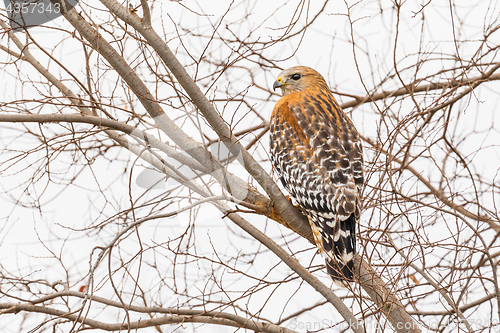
[385, 299]
[214, 318]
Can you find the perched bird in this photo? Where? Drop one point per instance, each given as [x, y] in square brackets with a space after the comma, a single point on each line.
[317, 153]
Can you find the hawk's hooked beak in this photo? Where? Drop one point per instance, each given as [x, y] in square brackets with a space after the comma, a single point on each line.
[278, 83]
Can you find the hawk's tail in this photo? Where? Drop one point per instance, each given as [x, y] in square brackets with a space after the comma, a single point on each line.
[344, 273]
[338, 245]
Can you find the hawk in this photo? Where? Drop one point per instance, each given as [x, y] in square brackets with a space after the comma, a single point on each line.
[317, 153]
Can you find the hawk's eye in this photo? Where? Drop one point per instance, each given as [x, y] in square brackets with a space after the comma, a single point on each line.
[296, 77]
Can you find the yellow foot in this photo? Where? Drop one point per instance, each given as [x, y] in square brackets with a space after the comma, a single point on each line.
[296, 206]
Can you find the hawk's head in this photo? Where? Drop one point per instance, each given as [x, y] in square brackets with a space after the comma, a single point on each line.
[298, 78]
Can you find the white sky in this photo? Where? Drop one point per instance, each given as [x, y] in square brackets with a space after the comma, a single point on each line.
[21, 228]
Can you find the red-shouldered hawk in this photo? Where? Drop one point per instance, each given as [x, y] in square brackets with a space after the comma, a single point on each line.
[317, 152]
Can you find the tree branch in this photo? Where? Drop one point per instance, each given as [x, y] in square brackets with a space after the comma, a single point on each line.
[214, 318]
